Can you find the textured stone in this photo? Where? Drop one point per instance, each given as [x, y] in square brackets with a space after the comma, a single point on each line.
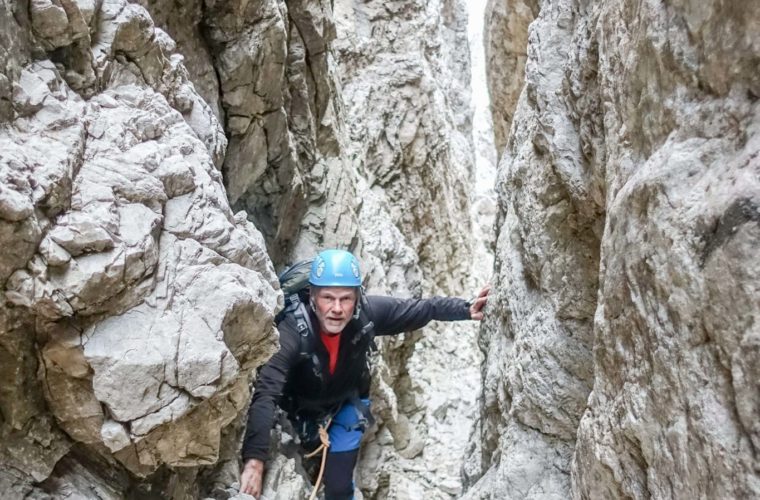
[280, 94]
[150, 301]
[416, 146]
[79, 233]
[40, 154]
[183, 319]
[506, 41]
[87, 187]
[622, 326]
[404, 72]
[30, 443]
[114, 435]
[61, 22]
[621, 343]
[181, 33]
[54, 254]
[285, 482]
[674, 325]
[15, 39]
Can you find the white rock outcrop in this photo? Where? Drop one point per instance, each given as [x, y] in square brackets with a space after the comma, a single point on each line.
[622, 347]
[150, 300]
[404, 69]
[139, 140]
[506, 40]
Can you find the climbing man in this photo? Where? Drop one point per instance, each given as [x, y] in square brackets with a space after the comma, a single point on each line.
[320, 376]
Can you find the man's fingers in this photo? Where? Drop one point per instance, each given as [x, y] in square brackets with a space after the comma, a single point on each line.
[246, 486]
[482, 294]
[479, 303]
[251, 489]
[250, 483]
[476, 308]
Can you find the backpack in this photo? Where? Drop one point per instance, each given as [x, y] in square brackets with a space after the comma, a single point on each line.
[294, 283]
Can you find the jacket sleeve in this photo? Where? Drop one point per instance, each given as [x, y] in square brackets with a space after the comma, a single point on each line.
[269, 387]
[392, 316]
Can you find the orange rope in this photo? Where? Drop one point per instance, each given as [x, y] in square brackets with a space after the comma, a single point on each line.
[325, 439]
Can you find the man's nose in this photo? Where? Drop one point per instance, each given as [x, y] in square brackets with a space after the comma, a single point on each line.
[335, 305]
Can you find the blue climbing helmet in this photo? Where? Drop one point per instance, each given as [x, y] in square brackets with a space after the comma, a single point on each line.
[335, 268]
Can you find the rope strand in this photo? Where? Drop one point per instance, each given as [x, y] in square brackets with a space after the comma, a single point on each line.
[324, 447]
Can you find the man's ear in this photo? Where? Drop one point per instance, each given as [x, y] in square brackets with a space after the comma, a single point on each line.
[313, 291]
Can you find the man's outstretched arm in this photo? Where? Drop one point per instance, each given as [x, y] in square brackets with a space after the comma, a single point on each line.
[393, 316]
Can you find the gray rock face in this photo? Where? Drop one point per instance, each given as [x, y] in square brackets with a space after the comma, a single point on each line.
[149, 300]
[408, 117]
[505, 40]
[680, 290]
[404, 69]
[621, 347]
[280, 96]
[138, 141]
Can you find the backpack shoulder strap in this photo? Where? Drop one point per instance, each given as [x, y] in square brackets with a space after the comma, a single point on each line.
[301, 314]
[306, 335]
[366, 326]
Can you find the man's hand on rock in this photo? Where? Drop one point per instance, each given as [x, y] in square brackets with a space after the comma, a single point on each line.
[477, 304]
[252, 477]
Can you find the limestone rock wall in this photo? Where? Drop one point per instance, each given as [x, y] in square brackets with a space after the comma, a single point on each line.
[404, 72]
[505, 38]
[136, 301]
[159, 161]
[622, 350]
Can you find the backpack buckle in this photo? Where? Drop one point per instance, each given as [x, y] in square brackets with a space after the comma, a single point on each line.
[302, 327]
[292, 300]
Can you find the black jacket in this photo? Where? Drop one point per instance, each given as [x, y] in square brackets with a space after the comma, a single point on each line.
[304, 385]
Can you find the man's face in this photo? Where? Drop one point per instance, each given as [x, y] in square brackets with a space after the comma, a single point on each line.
[334, 307]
